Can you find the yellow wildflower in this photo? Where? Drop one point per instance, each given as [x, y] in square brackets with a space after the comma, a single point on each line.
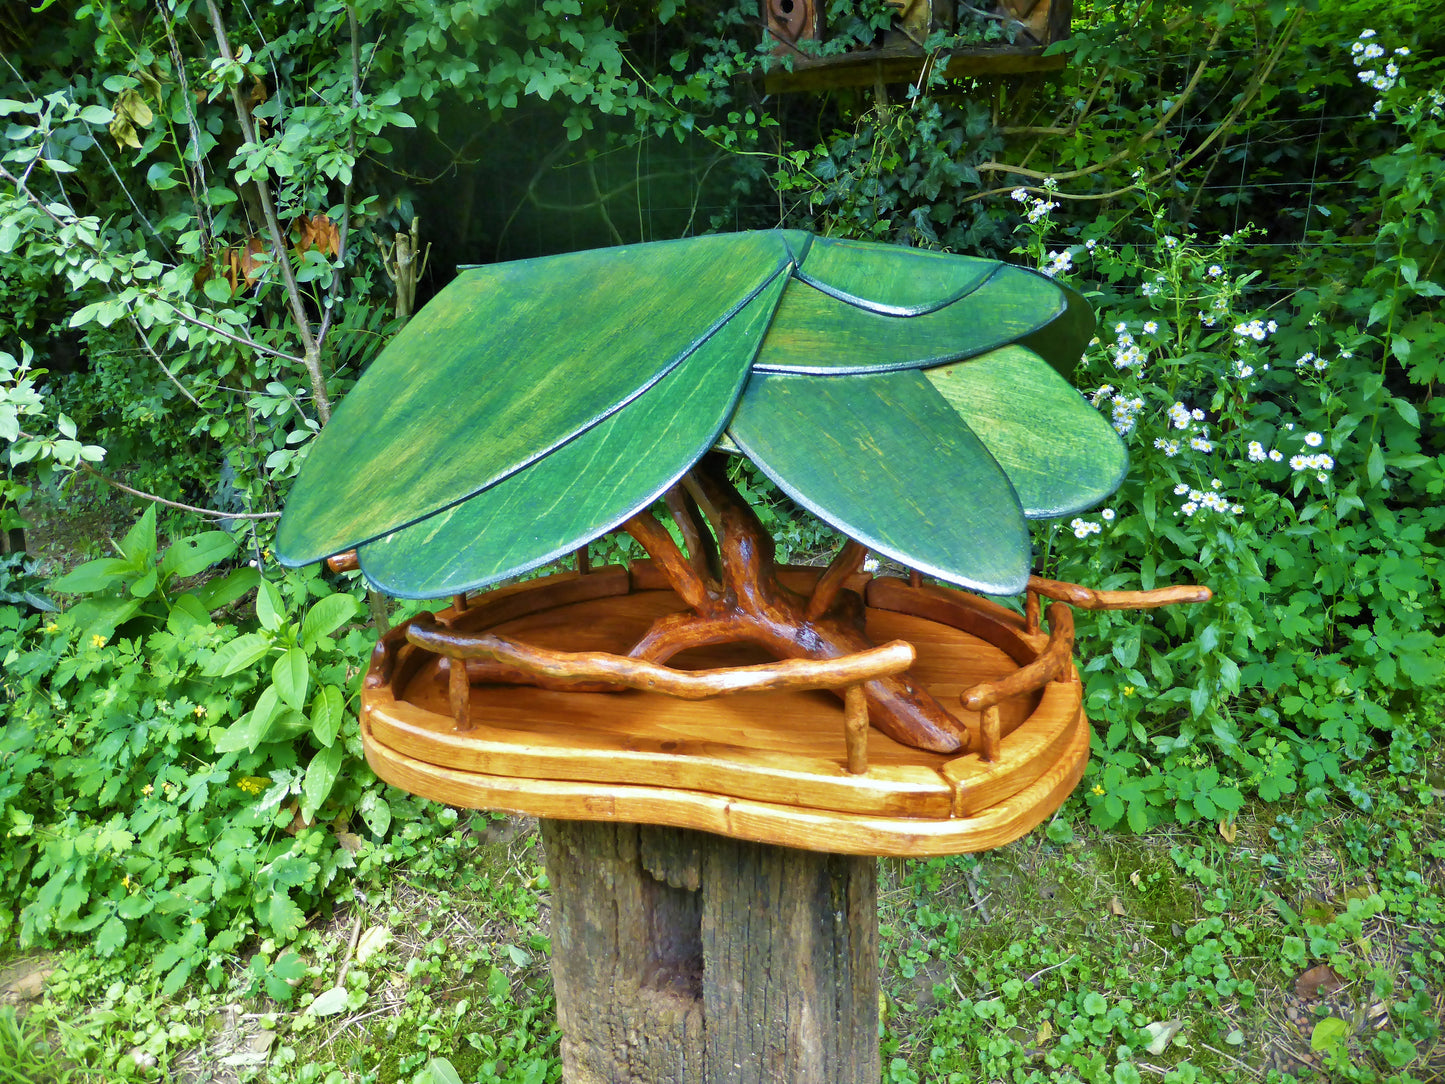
[200, 711]
[1127, 690]
[1098, 789]
[97, 640]
[146, 790]
[52, 627]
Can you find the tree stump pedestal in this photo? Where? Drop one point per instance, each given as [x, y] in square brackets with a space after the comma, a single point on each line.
[683, 956]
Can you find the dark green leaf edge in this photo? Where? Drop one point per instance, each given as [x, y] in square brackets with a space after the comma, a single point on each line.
[1043, 339]
[700, 449]
[897, 310]
[783, 266]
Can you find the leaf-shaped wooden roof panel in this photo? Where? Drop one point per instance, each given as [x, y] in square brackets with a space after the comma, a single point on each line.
[1061, 454]
[506, 364]
[886, 460]
[817, 333]
[889, 279]
[585, 488]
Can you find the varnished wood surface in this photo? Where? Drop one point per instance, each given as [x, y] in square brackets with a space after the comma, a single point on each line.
[508, 363]
[746, 602]
[561, 669]
[740, 818]
[784, 756]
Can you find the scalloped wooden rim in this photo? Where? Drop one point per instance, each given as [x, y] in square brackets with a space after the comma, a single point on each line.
[972, 804]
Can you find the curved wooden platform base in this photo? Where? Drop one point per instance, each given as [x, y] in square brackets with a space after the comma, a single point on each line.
[767, 767]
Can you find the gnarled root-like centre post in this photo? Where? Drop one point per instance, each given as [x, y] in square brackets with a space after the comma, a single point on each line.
[735, 595]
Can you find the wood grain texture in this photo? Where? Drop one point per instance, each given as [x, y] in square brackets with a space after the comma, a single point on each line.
[470, 408]
[750, 604]
[559, 669]
[817, 333]
[1089, 598]
[1061, 455]
[685, 958]
[777, 748]
[740, 818]
[1057, 658]
[585, 488]
[891, 280]
[949, 510]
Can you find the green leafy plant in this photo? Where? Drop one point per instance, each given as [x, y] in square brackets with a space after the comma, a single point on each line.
[137, 588]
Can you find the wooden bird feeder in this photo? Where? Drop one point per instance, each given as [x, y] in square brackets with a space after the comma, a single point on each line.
[719, 746]
[796, 30]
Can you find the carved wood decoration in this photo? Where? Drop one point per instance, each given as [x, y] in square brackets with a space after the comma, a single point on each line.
[899, 394]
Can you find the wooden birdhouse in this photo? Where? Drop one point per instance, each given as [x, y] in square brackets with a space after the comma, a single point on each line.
[1000, 38]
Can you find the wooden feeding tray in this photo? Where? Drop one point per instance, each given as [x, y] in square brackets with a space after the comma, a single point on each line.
[781, 766]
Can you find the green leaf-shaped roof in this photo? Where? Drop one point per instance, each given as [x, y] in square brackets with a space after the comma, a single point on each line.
[910, 398]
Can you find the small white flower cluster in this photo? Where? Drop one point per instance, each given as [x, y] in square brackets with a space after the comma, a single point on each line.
[1083, 528]
[1168, 447]
[1058, 263]
[1149, 289]
[1151, 327]
[1209, 319]
[1257, 453]
[1103, 395]
[1243, 370]
[1256, 330]
[1127, 353]
[1215, 271]
[1309, 361]
[1321, 463]
[1040, 207]
[1362, 52]
[1126, 414]
[1171, 242]
[1181, 416]
[1213, 500]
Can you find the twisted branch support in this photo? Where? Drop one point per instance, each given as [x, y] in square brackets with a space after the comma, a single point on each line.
[745, 601]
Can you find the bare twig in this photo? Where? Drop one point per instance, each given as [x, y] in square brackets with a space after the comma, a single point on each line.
[151, 350]
[312, 351]
[213, 513]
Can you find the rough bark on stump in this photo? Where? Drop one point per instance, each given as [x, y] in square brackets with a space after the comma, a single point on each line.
[683, 956]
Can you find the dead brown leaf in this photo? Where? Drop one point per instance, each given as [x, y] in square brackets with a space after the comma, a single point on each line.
[1116, 907]
[1229, 830]
[319, 233]
[1320, 979]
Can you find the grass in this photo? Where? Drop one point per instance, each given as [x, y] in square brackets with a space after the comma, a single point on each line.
[26, 1056]
[1171, 956]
